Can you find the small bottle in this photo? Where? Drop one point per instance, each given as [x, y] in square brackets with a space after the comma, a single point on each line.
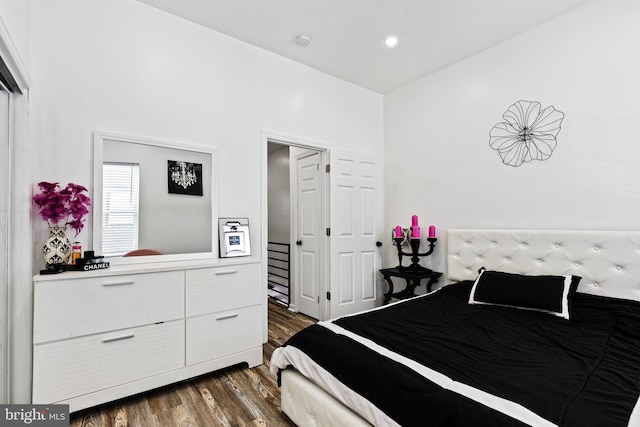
[76, 252]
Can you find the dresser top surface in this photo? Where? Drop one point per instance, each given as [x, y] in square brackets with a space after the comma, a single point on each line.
[148, 267]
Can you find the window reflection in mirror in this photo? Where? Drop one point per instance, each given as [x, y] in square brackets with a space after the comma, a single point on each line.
[120, 208]
[169, 218]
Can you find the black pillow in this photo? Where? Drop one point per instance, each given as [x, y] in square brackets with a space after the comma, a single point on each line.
[548, 294]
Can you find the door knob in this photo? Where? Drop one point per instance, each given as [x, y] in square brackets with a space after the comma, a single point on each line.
[299, 242]
[378, 244]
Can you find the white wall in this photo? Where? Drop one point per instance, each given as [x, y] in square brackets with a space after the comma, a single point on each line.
[438, 163]
[124, 67]
[15, 15]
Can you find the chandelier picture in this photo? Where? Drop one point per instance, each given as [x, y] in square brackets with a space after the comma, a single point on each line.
[184, 177]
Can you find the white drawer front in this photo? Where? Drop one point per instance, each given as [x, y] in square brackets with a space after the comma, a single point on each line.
[214, 289]
[65, 369]
[77, 307]
[223, 333]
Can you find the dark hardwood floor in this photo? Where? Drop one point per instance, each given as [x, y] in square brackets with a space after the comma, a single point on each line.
[236, 396]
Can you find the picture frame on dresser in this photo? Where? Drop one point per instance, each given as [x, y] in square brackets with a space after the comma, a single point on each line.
[235, 239]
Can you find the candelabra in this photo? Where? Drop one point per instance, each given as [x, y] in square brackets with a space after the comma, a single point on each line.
[415, 255]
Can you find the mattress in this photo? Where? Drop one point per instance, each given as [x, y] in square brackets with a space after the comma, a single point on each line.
[437, 360]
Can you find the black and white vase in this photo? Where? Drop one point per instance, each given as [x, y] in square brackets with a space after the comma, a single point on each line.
[57, 248]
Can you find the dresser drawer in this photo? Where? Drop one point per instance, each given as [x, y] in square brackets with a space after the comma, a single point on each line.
[220, 334]
[65, 369]
[77, 307]
[209, 290]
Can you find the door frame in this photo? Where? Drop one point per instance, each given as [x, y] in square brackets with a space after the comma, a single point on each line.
[5, 306]
[306, 143]
[18, 289]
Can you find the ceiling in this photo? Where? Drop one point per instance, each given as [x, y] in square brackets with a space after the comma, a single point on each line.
[347, 36]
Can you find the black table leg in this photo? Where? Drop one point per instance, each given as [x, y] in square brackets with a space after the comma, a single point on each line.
[387, 296]
[431, 282]
[409, 291]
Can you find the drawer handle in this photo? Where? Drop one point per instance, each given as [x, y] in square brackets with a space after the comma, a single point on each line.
[120, 338]
[222, 273]
[228, 316]
[130, 282]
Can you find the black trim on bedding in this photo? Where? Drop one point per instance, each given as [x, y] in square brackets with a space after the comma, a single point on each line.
[569, 373]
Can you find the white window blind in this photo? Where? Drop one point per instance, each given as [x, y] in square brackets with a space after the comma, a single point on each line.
[120, 207]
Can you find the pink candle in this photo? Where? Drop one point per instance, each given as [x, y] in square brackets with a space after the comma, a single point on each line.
[398, 231]
[432, 231]
[414, 221]
[415, 232]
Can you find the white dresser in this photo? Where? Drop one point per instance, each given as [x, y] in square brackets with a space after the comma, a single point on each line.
[103, 335]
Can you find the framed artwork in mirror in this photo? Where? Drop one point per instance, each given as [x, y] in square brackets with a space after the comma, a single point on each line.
[184, 177]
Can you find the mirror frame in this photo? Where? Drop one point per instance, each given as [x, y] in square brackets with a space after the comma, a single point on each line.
[98, 157]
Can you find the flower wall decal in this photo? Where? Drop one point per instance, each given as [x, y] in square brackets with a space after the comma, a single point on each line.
[528, 133]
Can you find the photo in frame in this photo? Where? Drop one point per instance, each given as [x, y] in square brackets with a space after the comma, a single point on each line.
[184, 177]
[234, 237]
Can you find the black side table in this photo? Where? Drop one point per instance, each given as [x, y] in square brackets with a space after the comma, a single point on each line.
[413, 278]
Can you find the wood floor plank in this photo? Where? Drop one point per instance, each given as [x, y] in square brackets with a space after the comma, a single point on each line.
[121, 418]
[232, 397]
[227, 400]
[217, 416]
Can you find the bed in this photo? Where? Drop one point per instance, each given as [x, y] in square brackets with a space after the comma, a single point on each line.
[440, 360]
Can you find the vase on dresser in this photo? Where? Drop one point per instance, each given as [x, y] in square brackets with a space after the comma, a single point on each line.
[57, 248]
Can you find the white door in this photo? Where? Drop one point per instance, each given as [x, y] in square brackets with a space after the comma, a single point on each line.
[309, 230]
[356, 224]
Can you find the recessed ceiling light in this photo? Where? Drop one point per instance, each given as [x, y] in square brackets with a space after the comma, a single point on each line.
[303, 40]
[391, 41]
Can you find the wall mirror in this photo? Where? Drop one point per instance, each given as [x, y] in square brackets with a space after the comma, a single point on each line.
[153, 195]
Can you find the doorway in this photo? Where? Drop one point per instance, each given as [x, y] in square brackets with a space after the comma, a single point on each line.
[296, 212]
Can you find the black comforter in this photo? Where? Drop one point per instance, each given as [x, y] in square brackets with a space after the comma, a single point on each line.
[583, 372]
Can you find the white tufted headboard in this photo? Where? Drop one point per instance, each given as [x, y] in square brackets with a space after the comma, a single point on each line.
[608, 261]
